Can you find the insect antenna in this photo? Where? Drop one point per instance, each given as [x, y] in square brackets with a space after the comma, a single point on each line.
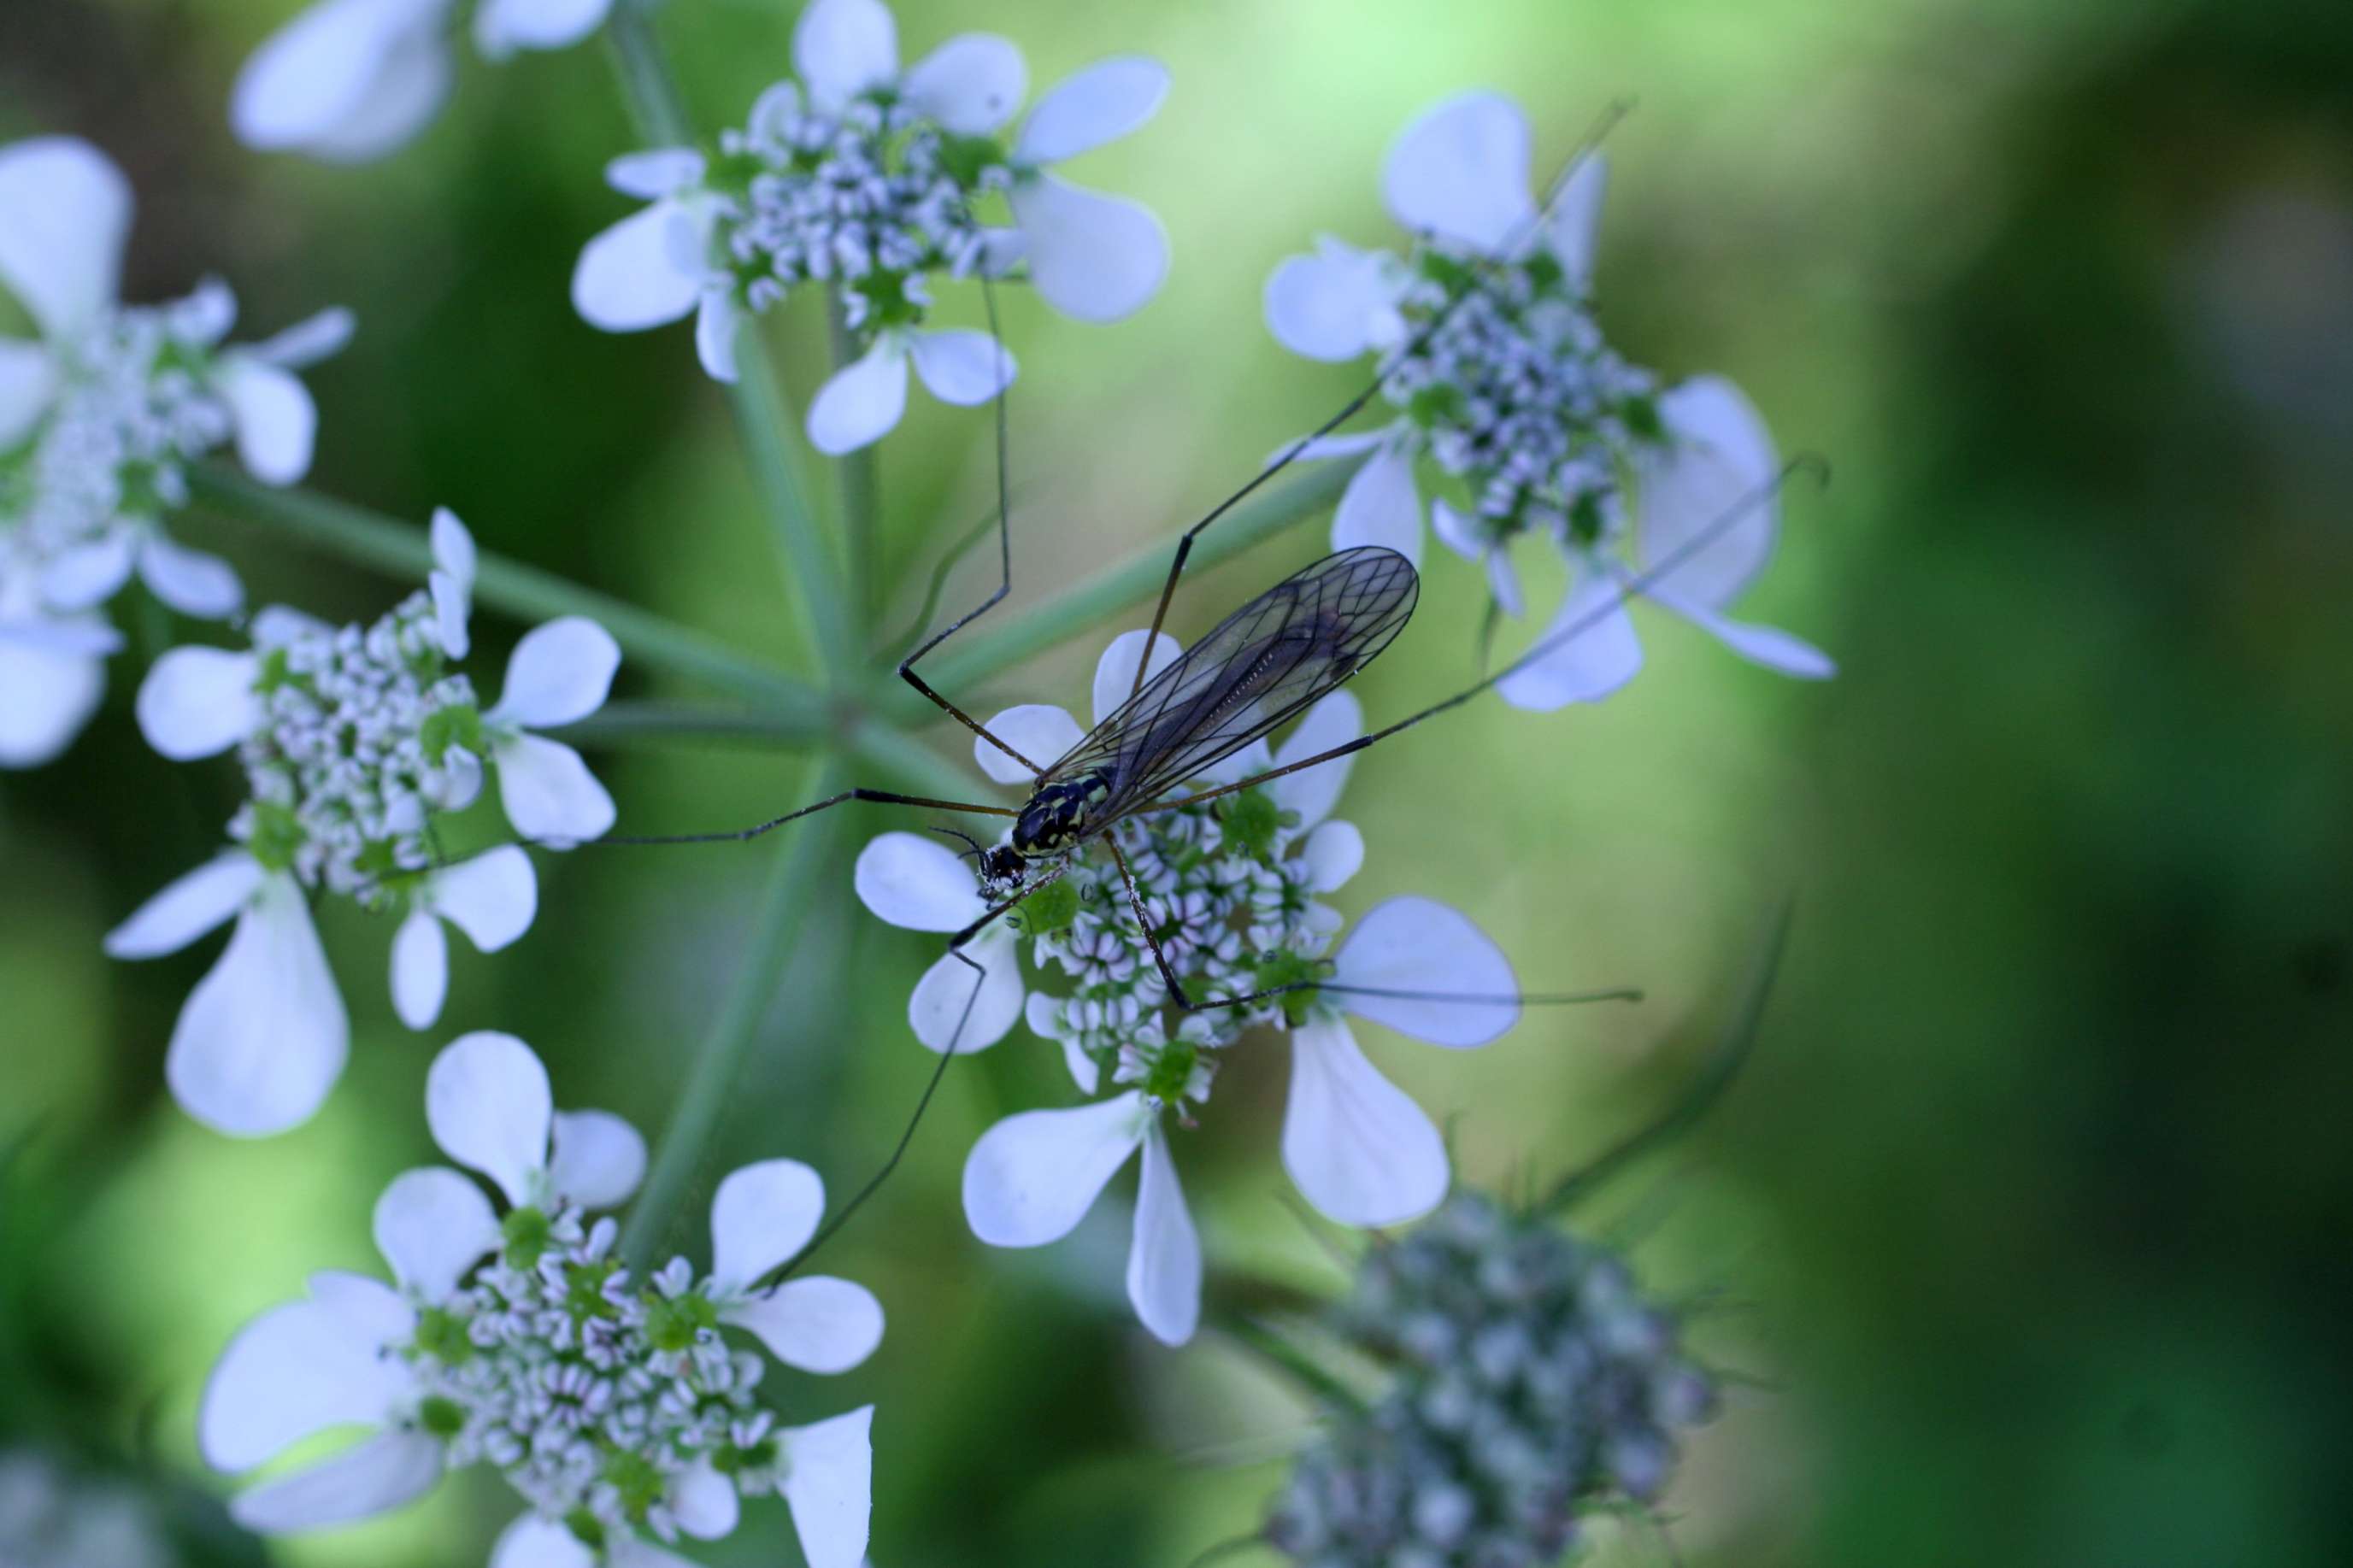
[1592, 139]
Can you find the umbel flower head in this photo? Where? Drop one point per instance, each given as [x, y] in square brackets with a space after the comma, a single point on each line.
[618, 1408]
[98, 417]
[864, 179]
[1531, 1384]
[354, 740]
[350, 81]
[1232, 889]
[1502, 381]
[51, 1517]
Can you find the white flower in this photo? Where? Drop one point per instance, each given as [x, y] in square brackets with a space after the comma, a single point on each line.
[1529, 414]
[613, 1406]
[97, 420]
[350, 81]
[862, 178]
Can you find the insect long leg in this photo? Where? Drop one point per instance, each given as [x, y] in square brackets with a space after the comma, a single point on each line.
[1356, 405]
[990, 916]
[1143, 925]
[1004, 559]
[1627, 589]
[877, 796]
[1470, 998]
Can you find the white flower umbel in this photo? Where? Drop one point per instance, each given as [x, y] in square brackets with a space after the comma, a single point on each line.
[1533, 422]
[350, 81]
[99, 418]
[865, 180]
[1233, 890]
[52, 1517]
[354, 740]
[616, 1408]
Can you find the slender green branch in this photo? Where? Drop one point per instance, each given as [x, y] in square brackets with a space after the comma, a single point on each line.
[1287, 1358]
[655, 725]
[981, 654]
[1732, 1046]
[527, 592]
[653, 98]
[861, 504]
[719, 1063]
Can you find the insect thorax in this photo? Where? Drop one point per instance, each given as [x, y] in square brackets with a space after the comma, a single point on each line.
[1061, 813]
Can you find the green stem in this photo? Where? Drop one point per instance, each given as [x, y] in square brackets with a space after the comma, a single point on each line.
[718, 1064]
[896, 756]
[981, 654]
[1290, 1360]
[653, 98]
[862, 507]
[527, 592]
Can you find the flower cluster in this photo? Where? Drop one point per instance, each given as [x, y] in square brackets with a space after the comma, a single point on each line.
[1489, 352]
[355, 740]
[1532, 1384]
[866, 179]
[1231, 890]
[51, 1518]
[98, 419]
[614, 1406]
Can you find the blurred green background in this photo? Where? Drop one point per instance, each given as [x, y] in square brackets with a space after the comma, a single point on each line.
[2028, 1196]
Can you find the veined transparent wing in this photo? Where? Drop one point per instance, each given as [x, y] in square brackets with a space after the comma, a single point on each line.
[1261, 664]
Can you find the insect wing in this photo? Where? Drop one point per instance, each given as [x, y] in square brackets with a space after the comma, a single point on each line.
[1260, 665]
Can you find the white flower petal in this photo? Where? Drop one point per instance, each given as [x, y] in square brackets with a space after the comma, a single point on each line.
[90, 572]
[1333, 305]
[971, 84]
[190, 581]
[644, 271]
[1164, 1258]
[917, 883]
[28, 377]
[263, 1035]
[348, 74]
[1032, 1177]
[65, 211]
[276, 423]
[46, 693]
[1349, 444]
[962, 366]
[1360, 1150]
[598, 1159]
[1115, 670]
[451, 581]
[488, 1102]
[1382, 506]
[717, 320]
[307, 341]
[188, 908]
[1091, 256]
[1576, 218]
[704, 1501]
[1334, 853]
[862, 402]
[1714, 477]
[1458, 530]
[1588, 650]
[1503, 583]
[432, 1225]
[829, 1486]
[1089, 108]
[532, 1541]
[199, 702]
[947, 988]
[1333, 722]
[1461, 170]
[294, 1371]
[560, 673]
[276, 626]
[657, 173]
[1768, 645]
[818, 1323]
[420, 970]
[550, 796]
[376, 1477]
[1420, 944]
[1039, 730]
[402, 100]
[760, 1216]
[1248, 762]
[843, 48]
[774, 112]
[492, 897]
[502, 26]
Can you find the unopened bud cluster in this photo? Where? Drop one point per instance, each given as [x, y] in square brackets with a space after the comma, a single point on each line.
[366, 732]
[1533, 1383]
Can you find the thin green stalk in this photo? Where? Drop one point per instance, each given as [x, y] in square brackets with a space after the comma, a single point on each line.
[896, 757]
[862, 507]
[1290, 1360]
[527, 592]
[719, 1063]
[994, 648]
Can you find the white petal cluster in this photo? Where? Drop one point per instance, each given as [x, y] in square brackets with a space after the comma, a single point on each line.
[98, 419]
[1502, 381]
[865, 180]
[1532, 1385]
[614, 1406]
[52, 1518]
[354, 740]
[1232, 889]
